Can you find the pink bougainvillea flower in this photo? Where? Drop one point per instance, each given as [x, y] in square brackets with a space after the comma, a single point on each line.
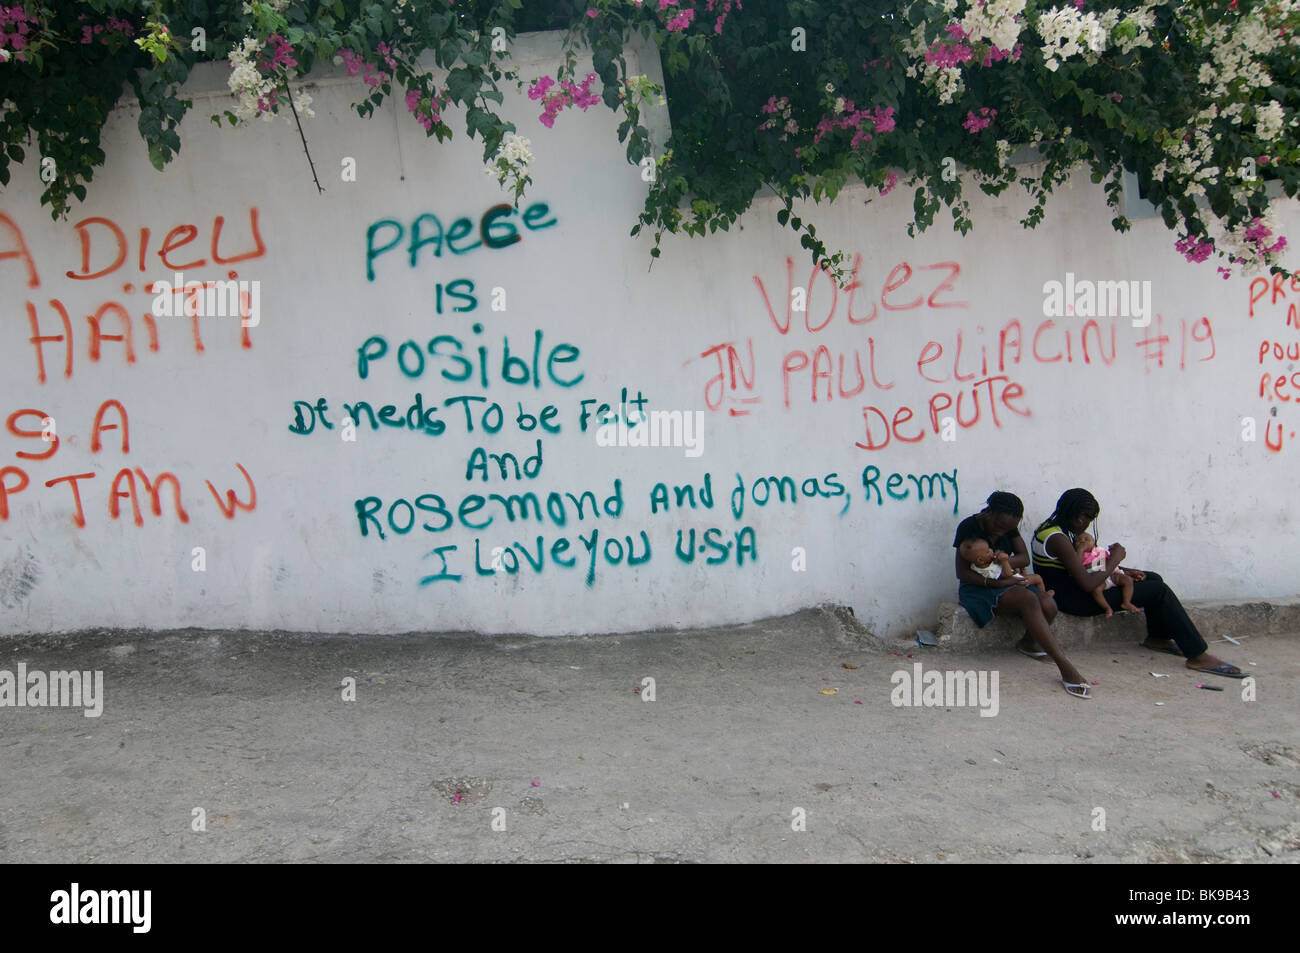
[948, 54]
[353, 61]
[995, 55]
[281, 53]
[1194, 249]
[539, 88]
[568, 94]
[974, 124]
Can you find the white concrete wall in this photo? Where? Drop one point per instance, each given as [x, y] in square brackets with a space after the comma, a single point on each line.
[1166, 457]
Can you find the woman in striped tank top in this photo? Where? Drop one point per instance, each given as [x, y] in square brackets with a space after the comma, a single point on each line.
[1055, 559]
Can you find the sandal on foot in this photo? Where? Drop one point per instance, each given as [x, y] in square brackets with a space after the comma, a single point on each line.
[1084, 690]
[1033, 655]
[1224, 669]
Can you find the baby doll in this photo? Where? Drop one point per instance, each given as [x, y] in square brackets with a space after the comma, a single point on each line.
[994, 566]
[1094, 560]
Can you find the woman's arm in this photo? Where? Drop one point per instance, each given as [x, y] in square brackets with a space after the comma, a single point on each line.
[966, 574]
[1059, 546]
[1019, 554]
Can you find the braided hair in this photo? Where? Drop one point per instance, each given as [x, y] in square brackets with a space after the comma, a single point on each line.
[1071, 504]
[1002, 502]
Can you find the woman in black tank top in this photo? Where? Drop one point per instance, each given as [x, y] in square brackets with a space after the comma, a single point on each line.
[983, 597]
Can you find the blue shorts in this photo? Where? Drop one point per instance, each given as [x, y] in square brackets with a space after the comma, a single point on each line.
[980, 600]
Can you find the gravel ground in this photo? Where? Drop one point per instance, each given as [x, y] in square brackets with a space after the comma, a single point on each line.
[469, 748]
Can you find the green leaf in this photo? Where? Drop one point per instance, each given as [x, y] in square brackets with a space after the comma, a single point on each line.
[477, 120]
[156, 154]
[463, 85]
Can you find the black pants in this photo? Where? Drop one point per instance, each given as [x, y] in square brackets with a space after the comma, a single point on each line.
[1166, 617]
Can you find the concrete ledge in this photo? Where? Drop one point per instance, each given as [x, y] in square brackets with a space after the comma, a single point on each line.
[1215, 620]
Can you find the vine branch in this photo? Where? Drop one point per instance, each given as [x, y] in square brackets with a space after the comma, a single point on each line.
[302, 136]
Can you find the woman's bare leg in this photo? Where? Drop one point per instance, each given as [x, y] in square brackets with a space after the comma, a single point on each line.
[1027, 642]
[1019, 601]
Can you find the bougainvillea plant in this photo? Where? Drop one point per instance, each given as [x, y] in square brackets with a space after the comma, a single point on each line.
[1199, 100]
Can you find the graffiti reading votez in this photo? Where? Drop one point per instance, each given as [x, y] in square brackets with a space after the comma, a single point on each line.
[967, 378]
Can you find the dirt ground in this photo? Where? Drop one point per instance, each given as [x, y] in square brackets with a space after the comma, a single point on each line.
[465, 748]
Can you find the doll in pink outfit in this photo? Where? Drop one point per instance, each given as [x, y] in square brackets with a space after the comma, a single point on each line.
[1093, 558]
